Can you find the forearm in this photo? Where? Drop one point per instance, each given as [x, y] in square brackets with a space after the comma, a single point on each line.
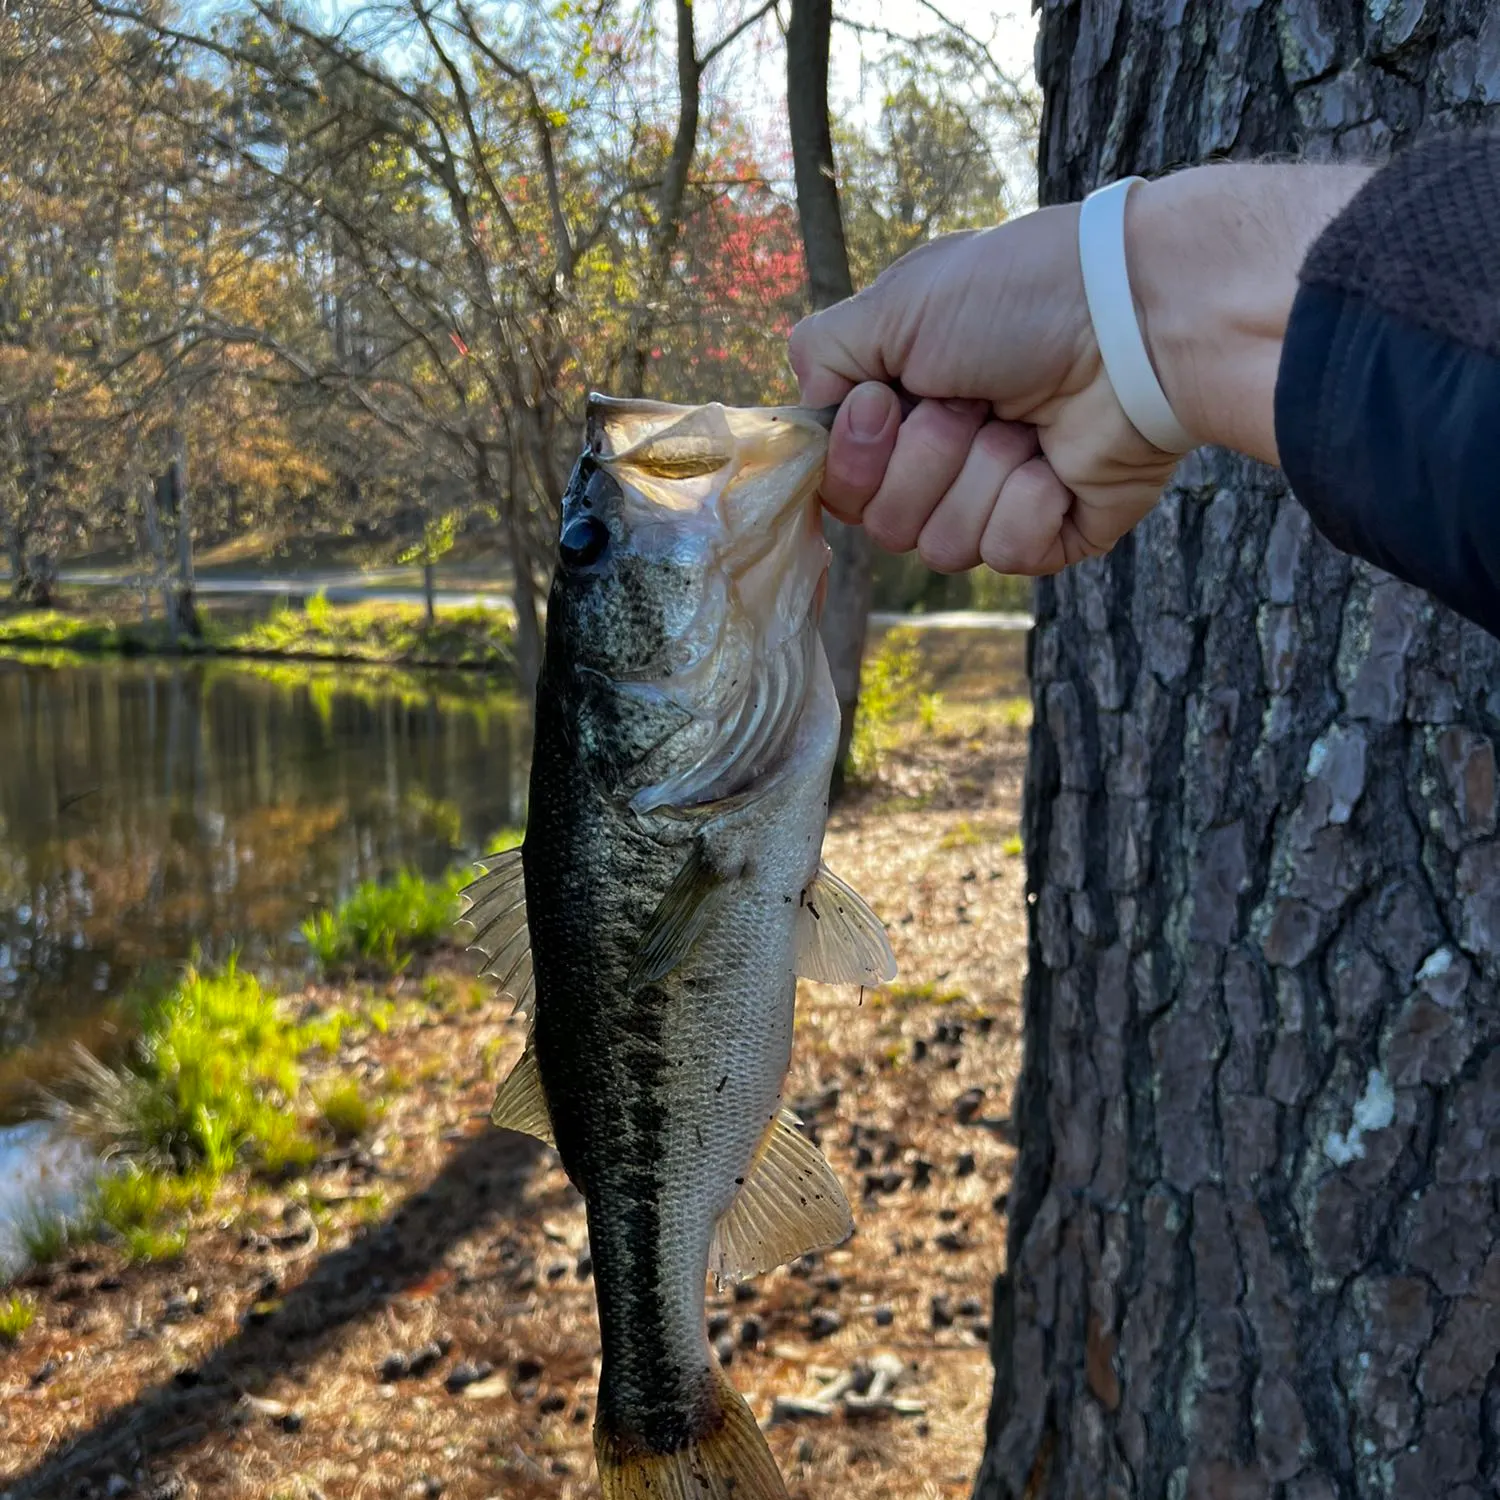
[1388, 402]
[1214, 254]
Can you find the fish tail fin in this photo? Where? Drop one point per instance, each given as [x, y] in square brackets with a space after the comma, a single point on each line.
[729, 1461]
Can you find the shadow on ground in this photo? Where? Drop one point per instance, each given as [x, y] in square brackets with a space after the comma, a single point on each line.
[481, 1183]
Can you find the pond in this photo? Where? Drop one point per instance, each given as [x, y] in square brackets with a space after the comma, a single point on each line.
[151, 811]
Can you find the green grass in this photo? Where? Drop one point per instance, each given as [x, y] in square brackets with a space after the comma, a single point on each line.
[381, 925]
[130, 1199]
[475, 637]
[145, 1245]
[963, 835]
[892, 693]
[903, 996]
[44, 1235]
[214, 1081]
[1014, 713]
[17, 1313]
[368, 632]
[346, 1111]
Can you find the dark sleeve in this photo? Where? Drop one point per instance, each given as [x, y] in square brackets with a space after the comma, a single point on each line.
[1388, 393]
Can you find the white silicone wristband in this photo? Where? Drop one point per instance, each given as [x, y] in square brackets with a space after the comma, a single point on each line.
[1117, 330]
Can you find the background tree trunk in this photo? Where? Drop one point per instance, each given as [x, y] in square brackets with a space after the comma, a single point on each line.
[1254, 1245]
[670, 197]
[847, 608]
[183, 617]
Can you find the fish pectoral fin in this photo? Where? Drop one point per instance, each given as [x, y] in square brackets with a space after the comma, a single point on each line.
[839, 939]
[678, 921]
[495, 907]
[520, 1103]
[791, 1204]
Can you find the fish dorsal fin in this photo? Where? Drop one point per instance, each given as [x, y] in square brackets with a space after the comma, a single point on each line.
[791, 1204]
[839, 939]
[678, 921]
[495, 907]
[520, 1103]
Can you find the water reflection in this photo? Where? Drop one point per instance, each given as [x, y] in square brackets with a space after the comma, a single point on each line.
[151, 809]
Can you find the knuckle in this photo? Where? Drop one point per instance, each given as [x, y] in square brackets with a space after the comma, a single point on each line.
[1007, 444]
[943, 552]
[1002, 551]
[886, 530]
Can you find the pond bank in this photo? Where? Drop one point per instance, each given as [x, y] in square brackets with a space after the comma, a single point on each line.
[413, 1312]
[477, 637]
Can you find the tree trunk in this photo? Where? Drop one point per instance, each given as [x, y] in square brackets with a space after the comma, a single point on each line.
[1254, 1247]
[156, 547]
[847, 608]
[528, 644]
[33, 576]
[183, 615]
[429, 586]
[672, 195]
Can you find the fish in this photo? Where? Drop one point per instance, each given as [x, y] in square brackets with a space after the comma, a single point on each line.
[667, 894]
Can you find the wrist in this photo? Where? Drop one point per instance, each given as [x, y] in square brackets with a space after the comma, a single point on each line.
[1213, 254]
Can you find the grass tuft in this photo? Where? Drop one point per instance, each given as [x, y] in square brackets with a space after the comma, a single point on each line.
[44, 1235]
[380, 926]
[214, 1082]
[130, 1199]
[963, 835]
[346, 1111]
[891, 694]
[17, 1313]
[144, 1245]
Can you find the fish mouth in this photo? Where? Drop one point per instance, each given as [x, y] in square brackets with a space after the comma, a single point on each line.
[751, 465]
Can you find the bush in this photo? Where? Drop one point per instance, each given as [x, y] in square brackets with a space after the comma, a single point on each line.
[380, 926]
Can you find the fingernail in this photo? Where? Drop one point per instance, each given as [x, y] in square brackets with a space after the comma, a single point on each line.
[867, 410]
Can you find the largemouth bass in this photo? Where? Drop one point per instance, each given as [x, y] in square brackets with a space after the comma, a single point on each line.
[686, 727]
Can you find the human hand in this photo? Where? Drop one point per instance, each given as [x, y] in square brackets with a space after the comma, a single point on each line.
[1018, 453]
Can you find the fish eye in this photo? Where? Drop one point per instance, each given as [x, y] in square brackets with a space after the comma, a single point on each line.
[583, 541]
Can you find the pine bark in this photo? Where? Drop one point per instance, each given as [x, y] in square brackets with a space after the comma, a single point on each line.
[1254, 1241]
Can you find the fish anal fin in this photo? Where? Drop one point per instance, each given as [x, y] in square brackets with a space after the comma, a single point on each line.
[729, 1461]
[678, 921]
[839, 939]
[520, 1103]
[791, 1204]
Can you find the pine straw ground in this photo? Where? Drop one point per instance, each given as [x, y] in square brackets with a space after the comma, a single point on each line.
[253, 1365]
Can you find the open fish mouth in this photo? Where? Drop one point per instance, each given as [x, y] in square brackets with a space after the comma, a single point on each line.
[752, 468]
